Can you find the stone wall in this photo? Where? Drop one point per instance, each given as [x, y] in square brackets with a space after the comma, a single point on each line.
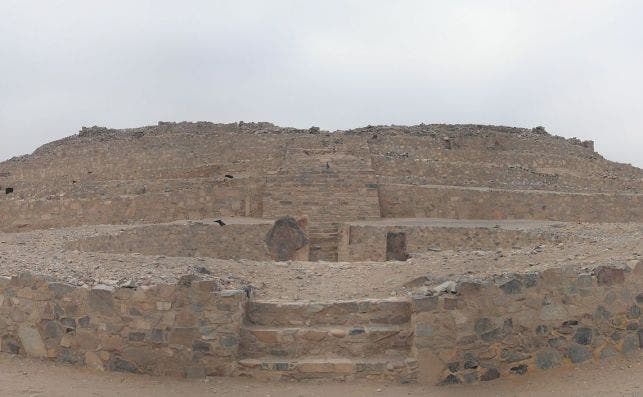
[367, 242]
[190, 329]
[216, 200]
[245, 240]
[461, 332]
[487, 157]
[528, 322]
[412, 201]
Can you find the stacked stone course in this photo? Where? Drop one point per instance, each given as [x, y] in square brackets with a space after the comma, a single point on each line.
[189, 329]
[529, 322]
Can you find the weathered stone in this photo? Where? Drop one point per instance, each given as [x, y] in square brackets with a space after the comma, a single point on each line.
[607, 352]
[450, 379]
[585, 281]
[285, 238]
[101, 299]
[32, 341]
[634, 312]
[450, 303]
[630, 344]
[519, 369]
[68, 324]
[93, 361]
[530, 280]
[425, 303]
[52, 330]
[157, 336]
[396, 246]
[120, 365]
[542, 330]
[423, 330]
[512, 287]
[470, 364]
[609, 275]
[470, 377]
[490, 374]
[467, 340]
[10, 345]
[337, 366]
[454, 366]
[200, 346]
[601, 313]
[559, 343]
[83, 322]
[578, 353]
[182, 336]
[87, 340]
[493, 335]
[229, 341]
[312, 335]
[60, 289]
[69, 356]
[136, 336]
[553, 312]
[583, 336]
[195, 372]
[162, 306]
[266, 336]
[512, 356]
[548, 358]
[639, 298]
[482, 325]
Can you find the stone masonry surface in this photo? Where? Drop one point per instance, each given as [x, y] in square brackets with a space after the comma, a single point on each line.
[152, 250]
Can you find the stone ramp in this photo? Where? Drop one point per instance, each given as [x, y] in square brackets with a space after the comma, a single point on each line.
[338, 340]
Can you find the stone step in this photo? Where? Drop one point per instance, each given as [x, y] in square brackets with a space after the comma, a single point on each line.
[400, 368]
[354, 313]
[293, 342]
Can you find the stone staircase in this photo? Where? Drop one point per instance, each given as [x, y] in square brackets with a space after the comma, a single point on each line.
[337, 340]
[330, 181]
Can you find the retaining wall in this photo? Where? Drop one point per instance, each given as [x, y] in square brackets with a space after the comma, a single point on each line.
[479, 330]
[207, 202]
[431, 201]
[232, 241]
[190, 329]
[364, 242]
[525, 322]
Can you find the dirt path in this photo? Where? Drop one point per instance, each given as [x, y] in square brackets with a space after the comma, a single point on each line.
[27, 377]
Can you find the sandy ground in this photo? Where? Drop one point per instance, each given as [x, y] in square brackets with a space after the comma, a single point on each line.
[27, 377]
[585, 245]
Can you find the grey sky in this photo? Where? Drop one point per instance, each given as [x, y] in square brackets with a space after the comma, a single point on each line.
[573, 66]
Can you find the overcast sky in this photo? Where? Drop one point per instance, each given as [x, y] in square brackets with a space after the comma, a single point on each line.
[575, 67]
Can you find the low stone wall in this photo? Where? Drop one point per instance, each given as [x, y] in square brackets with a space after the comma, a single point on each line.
[364, 242]
[528, 322]
[468, 331]
[190, 329]
[233, 241]
[432, 201]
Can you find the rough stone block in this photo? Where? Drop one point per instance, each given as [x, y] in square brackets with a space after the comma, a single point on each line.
[32, 341]
[609, 275]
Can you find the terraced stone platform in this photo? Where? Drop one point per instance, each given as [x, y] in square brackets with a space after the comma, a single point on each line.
[432, 253]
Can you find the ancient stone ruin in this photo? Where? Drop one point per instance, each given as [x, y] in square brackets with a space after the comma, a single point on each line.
[432, 253]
